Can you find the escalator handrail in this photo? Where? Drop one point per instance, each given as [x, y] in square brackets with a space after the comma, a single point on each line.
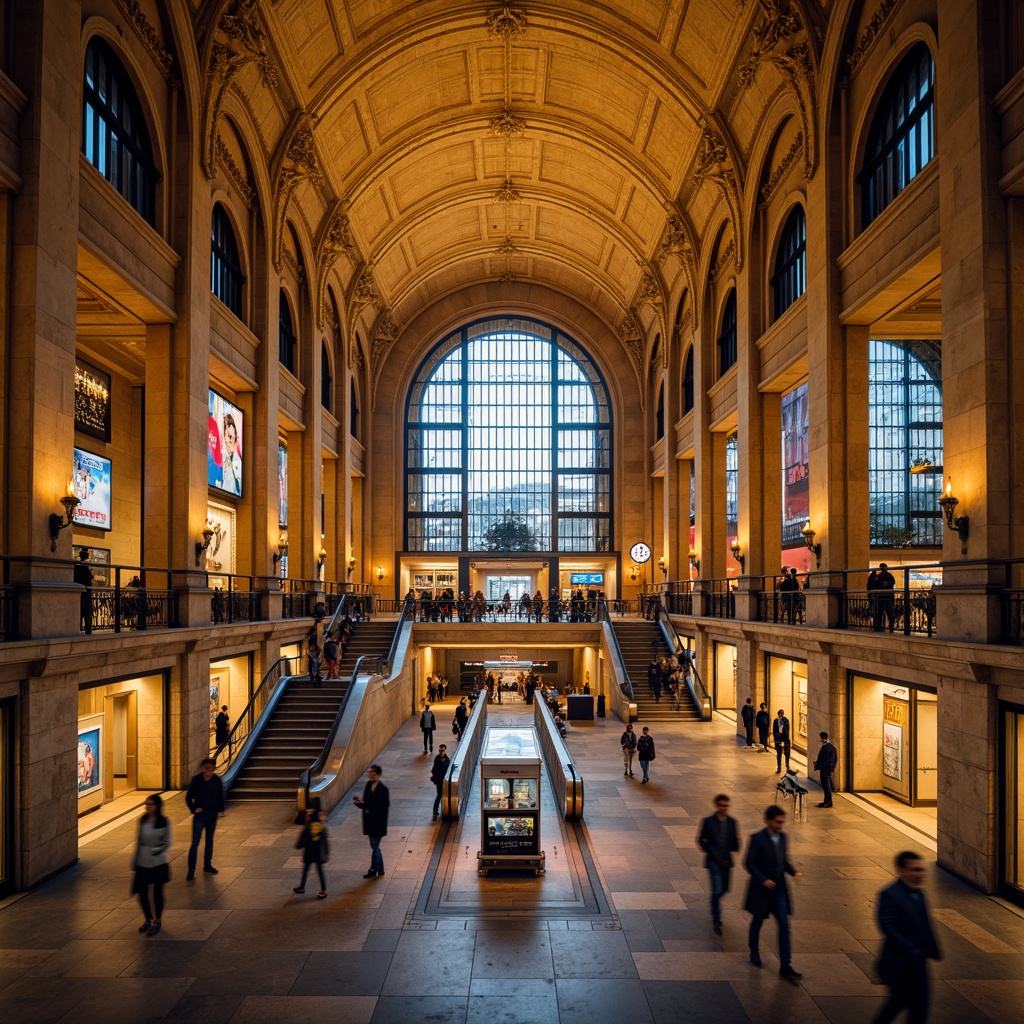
[603, 616]
[408, 606]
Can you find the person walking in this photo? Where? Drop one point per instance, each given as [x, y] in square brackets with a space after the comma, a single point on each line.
[205, 799]
[885, 599]
[375, 802]
[782, 738]
[645, 752]
[313, 661]
[315, 847]
[763, 722]
[902, 915]
[427, 726]
[747, 714]
[151, 862]
[437, 775]
[222, 725]
[767, 892]
[84, 577]
[825, 765]
[628, 741]
[461, 717]
[719, 840]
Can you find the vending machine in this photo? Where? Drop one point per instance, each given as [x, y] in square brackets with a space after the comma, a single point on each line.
[510, 766]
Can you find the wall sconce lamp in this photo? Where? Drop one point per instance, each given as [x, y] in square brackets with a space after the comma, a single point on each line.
[634, 572]
[815, 549]
[694, 560]
[959, 524]
[737, 553]
[380, 573]
[202, 545]
[282, 548]
[662, 566]
[70, 501]
[351, 564]
[321, 559]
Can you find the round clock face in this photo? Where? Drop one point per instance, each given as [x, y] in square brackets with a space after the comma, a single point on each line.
[640, 552]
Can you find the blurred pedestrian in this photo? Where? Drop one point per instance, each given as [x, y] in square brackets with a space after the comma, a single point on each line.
[151, 862]
[719, 840]
[313, 842]
[645, 752]
[375, 801]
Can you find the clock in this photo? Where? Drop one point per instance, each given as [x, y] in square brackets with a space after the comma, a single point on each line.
[640, 552]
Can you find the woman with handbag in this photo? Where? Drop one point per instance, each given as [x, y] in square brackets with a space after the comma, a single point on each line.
[315, 849]
[151, 863]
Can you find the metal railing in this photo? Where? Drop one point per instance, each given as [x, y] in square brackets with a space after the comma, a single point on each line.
[698, 691]
[566, 782]
[459, 781]
[620, 663]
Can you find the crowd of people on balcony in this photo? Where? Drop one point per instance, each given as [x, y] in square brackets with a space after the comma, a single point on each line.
[444, 606]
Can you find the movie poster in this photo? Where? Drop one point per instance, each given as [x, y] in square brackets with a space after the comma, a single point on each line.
[90, 754]
[92, 487]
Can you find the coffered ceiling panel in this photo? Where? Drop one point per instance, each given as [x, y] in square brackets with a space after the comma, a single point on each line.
[458, 227]
[342, 137]
[707, 26]
[668, 140]
[584, 172]
[449, 166]
[312, 34]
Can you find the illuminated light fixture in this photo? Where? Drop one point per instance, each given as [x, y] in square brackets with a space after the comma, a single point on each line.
[958, 524]
[737, 553]
[694, 560]
[321, 559]
[634, 572]
[282, 548]
[351, 564]
[380, 573]
[202, 545]
[662, 566]
[70, 501]
[808, 535]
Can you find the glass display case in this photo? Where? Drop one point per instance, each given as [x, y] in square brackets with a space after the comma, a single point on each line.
[510, 766]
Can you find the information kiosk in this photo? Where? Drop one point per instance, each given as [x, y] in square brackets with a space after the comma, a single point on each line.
[510, 794]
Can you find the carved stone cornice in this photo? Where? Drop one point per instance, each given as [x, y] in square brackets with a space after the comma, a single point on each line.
[781, 21]
[867, 38]
[235, 173]
[299, 164]
[384, 334]
[336, 241]
[720, 264]
[364, 293]
[780, 172]
[714, 164]
[632, 338]
[649, 289]
[135, 16]
[291, 262]
[245, 44]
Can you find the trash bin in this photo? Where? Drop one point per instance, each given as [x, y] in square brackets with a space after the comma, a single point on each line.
[633, 715]
[600, 705]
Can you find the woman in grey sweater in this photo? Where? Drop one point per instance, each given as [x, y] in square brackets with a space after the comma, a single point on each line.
[151, 862]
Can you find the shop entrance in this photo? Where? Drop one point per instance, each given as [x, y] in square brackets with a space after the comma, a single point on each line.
[725, 677]
[894, 741]
[121, 773]
[787, 690]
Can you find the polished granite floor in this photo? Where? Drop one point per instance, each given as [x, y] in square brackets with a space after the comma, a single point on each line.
[240, 946]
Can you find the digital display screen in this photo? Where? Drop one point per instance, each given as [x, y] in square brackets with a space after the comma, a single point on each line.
[92, 487]
[586, 579]
[224, 450]
[510, 834]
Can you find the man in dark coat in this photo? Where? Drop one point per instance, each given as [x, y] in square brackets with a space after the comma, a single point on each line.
[782, 738]
[437, 774]
[767, 891]
[763, 722]
[909, 942]
[747, 714]
[719, 841]
[205, 799]
[885, 599]
[427, 725]
[828, 758]
[375, 803]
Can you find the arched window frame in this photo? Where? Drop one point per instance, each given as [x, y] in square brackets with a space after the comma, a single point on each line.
[115, 136]
[286, 340]
[442, 448]
[789, 281]
[727, 347]
[688, 381]
[901, 139]
[326, 378]
[226, 277]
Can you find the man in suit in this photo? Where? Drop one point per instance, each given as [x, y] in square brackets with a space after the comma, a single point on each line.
[374, 804]
[909, 942]
[782, 739]
[828, 758]
[762, 720]
[767, 892]
[719, 841]
[747, 713]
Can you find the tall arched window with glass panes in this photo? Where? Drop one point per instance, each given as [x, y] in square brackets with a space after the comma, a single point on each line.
[508, 444]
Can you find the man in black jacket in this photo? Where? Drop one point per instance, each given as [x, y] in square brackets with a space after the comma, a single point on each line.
[205, 799]
[767, 892]
[719, 841]
[437, 774]
[375, 803]
[747, 714]
[828, 758]
[909, 942]
[782, 738]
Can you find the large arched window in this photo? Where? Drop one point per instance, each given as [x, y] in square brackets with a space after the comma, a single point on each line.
[114, 135]
[902, 136]
[789, 281]
[905, 443]
[508, 444]
[326, 380]
[225, 266]
[688, 381]
[727, 336]
[285, 334]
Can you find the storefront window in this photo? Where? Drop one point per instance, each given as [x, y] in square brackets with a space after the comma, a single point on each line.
[725, 677]
[787, 691]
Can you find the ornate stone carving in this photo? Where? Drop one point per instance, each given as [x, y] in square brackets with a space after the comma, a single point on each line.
[781, 21]
[133, 12]
[720, 264]
[237, 175]
[649, 290]
[507, 124]
[384, 335]
[868, 37]
[508, 193]
[335, 243]
[506, 23]
[246, 44]
[299, 164]
[364, 291]
[780, 172]
[507, 248]
[292, 262]
[713, 164]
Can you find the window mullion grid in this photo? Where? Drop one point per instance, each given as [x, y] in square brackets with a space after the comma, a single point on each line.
[464, 411]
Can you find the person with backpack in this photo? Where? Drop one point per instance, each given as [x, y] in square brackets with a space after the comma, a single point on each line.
[645, 752]
[315, 849]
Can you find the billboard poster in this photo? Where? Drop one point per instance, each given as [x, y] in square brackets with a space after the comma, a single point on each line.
[92, 486]
[90, 754]
[795, 458]
[224, 451]
[282, 484]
